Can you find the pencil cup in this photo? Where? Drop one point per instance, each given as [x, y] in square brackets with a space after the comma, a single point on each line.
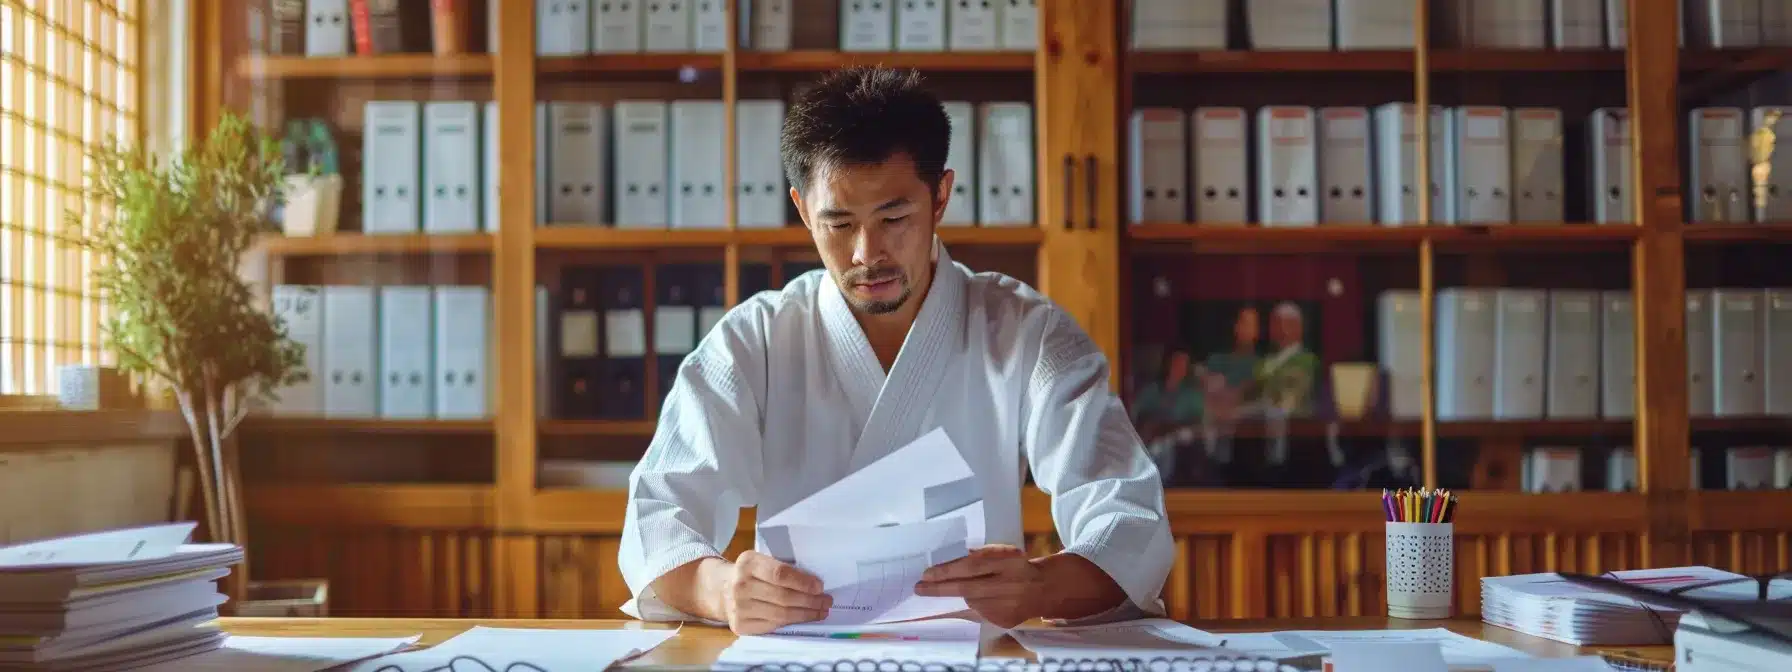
[1421, 569]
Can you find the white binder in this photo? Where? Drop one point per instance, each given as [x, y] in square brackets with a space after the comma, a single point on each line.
[1511, 24]
[578, 136]
[1374, 24]
[390, 149]
[1466, 325]
[1749, 468]
[920, 25]
[1178, 24]
[463, 329]
[491, 28]
[709, 27]
[1400, 346]
[562, 27]
[1520, 344]
[1537, 180]
[488, 172]
[616, 26]
[698, 201]
[867, 25]
[1020, 25]
[1573, 376]
[1287, 166]
[1344, 165]
[973, 25]
[1005, 166]
[1699, 355]
[1772, 134]
[301, 308]
[326, 28]
[1782, 469]
[667, 26]
[1620, 470]
[760, 173]
[1577, 24]
[1397, 164]
[350, 374]
[451, 167]
[1609, 166]
[1776, 23]
[1737, 378]
[1776, 357]
[770, 24]
[1719, 167]
[1552, 469]
[1617, 28]
[1158, 179]
[1289, 24]
[961, 158]
[1483, 165]
[1725, 24]
[1617, 355]
[407, 375]
[641, 199]
[1219, 160]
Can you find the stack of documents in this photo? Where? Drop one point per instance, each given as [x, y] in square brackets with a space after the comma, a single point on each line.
[110, 600]
[947, 642]
[1546, 605]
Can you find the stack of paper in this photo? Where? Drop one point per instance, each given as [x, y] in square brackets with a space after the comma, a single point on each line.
[1546, 605]
[110, 600]
[946, 642]
[543, 650]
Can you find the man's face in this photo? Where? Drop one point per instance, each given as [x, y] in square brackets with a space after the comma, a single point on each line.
[1245, 330]
[873, 226]
[1286, 329]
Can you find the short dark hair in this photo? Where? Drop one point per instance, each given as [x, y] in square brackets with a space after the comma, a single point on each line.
[864, 116]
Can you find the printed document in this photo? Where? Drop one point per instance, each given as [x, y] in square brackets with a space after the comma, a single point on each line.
[535, 649]
[288, 654]
[1380, 656]
[1147, 638]
[1457, 649]
[945, 641]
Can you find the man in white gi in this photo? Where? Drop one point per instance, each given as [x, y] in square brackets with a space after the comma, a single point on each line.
[795, 389]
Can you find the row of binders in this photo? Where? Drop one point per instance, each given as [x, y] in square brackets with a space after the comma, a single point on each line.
[570, 27]
[398, 351]
[1726, 146]
[1522, 354]
[1489, 165]
[432, 166]
[1559, 469]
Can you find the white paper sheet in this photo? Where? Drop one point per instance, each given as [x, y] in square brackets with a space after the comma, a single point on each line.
[1457, 649]
[288, 654]
[1148, 638]
[904, 480]
[135, 544]
[871, 572]
[1389, 655]
[1576, 664]
[525, 648]
[946, 641]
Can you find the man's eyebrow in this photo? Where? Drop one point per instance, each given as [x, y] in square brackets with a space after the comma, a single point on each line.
[891, 205]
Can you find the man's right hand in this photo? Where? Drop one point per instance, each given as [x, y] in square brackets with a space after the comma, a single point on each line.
[759, 594]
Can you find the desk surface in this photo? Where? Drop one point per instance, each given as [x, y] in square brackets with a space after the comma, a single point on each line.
[699, 645]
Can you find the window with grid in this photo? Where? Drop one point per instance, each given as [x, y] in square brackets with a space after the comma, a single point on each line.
[69, 81]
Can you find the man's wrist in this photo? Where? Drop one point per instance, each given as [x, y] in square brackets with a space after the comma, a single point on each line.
[1078, 588]
[712, 583]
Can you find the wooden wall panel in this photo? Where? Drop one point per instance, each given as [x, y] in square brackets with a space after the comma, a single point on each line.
[384, 572]
[1749, 552]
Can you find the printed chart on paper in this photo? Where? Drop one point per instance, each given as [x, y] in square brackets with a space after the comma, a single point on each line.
[882, 582]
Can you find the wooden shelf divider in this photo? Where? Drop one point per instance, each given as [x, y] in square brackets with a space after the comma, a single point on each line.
[324, 425]
[1762, 59]
[938, 61]
[349, 244]
[387, 66]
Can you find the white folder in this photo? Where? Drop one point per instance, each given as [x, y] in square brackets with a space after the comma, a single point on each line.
[1737, 378]
[1219, 157]
[1537, 180]
[326, 28]
[1719, 167]
[641, 199]
[766, 24]
[1511, 24]
[407, 375]
[973, 25]
[1620, 470]
[578, 134]
[667, 26]
[698, 200]
[491, 27]
[390, 148]
[1520, 353]
[760, 173]
[1483, 149]
[1771, 129]
[1466, 328]
[1699, 355]
[463, 330]
[562, 27]
[1287, 166]
[301, 308]
[616, 26]
[1776, 357]
[1158, 180]
[961, 158]
[1005, 165]
[1572, 380]
[1289, 24]
[451, 166]
[1617, 28]
[1617, 355]
[1399, 348]
[1749, 468]
[1725, 24]
[1776, 23]
[709, 28]
[1609, 170]
[1782, 469]
[867, 25]
[1020, 25]
[1344, 165]
[920, 25]
[1577, 24]
[1552, 469]
[1374, 24]
[1397, 164]
[1178, 24]
[488, 172]
[350, 374]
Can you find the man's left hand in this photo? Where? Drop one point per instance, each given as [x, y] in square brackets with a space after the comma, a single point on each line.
[998, 582]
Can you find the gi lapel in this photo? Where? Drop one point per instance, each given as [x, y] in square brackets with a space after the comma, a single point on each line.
[855, 365]
[933, 342]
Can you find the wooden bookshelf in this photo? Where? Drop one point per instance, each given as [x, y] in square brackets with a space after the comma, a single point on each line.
[628, 63]
[1374, 237]
[350, 244]
[1767, 232]
[389, 66]
[294, 425]
[1447, 61]
[939, 61]
[371, 505]
[640, 428]
[597, 237]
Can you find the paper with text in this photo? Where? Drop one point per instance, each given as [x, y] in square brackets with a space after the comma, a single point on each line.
[945, 641]
[538, 650]
[1457, 649]
[871, 572]
[128, 545]
[289, 654]
[1148, 638]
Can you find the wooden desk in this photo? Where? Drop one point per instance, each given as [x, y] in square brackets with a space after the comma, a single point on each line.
[698, 645]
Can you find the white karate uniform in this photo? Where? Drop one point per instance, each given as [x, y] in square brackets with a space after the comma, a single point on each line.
[785, 396]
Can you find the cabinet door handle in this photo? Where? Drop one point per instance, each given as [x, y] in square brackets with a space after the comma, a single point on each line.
[1069, 188]
[1089, 183]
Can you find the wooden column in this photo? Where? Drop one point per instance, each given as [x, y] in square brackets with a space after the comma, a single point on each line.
[1659, 280]
[1077, 91]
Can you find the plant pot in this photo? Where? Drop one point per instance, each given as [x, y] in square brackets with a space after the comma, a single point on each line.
[297, 598]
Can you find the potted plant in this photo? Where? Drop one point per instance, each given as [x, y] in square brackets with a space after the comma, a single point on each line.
[169, 237]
